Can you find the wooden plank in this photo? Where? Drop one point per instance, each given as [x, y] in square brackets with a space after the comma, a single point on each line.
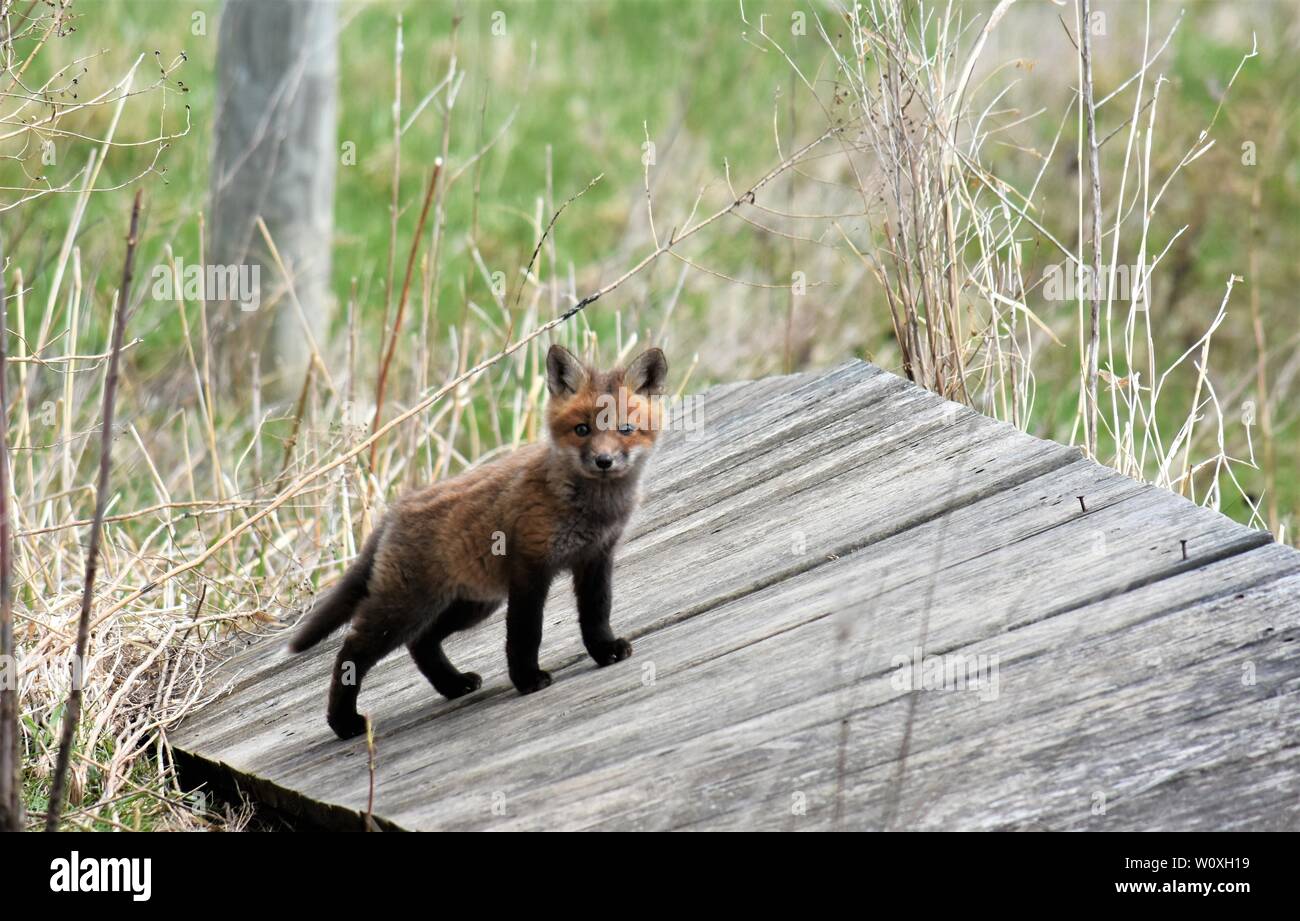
[815, 528]
[1065, 732]
[771, 662]
[743, 774]
[680, 453]
[262, 666]
[447, 738]
[726, 537]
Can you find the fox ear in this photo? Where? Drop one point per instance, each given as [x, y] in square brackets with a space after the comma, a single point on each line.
[564, 373]
[647, 373]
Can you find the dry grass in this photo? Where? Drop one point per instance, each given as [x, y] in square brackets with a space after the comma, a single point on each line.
[223, 538]
[230, 511]
[945, 237]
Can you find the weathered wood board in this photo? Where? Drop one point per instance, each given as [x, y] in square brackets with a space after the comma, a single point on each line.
[854, 605]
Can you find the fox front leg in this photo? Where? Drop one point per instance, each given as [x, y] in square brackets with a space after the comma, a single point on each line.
[524, 629]
[593, 585]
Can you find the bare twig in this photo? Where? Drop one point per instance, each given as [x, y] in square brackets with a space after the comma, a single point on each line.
[381, 384]
[11, 806]
[421, 405]
[72, 711]
[1094, 171]
[370, 771]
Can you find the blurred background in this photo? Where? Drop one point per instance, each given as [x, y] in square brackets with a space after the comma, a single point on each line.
[406, 161]
[556, 94]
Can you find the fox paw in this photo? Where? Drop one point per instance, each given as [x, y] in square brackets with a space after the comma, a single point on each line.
[615, 650]
[462, 684]
[348, 726]
[534, 682]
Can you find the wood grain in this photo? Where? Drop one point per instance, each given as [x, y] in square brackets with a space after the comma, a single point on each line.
[792, 553]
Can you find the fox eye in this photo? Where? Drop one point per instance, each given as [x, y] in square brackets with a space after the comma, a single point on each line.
[626, 429]
[582, 429]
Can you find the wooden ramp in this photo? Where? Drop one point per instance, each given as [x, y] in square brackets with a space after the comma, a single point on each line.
[1073, 669]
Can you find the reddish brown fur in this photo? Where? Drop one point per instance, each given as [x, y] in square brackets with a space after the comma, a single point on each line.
[443, 535]
[446, 556]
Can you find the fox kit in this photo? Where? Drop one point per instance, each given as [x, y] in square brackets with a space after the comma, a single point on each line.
[444, 558]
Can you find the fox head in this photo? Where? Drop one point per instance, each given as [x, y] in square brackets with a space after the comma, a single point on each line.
[603, 424]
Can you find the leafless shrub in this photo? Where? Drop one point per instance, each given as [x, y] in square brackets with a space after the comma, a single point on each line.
[948, 233]
[40, 124]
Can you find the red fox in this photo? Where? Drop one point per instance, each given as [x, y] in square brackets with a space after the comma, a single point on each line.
[444, 558]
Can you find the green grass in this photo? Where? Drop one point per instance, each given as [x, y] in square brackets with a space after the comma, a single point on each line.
[690, 73]
[602, 72]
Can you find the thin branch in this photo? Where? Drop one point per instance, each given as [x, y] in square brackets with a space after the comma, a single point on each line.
[1094, 170]
[72, 711]
[356, 450]
[382, 383]
[11, 807]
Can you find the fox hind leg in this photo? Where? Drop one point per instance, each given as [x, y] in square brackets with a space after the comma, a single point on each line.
[375, 632]
[428, 653]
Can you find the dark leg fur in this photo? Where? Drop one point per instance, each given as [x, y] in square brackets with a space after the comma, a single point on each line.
[593, 586]
[375, 632]
[427, 650]
[524, 630]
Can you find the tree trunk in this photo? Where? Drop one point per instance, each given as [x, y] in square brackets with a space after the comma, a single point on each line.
[274, 156]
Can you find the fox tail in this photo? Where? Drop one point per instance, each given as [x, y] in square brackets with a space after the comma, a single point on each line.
[336, 607]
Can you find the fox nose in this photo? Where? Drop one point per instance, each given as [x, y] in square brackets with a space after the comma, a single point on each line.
[604, 461]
